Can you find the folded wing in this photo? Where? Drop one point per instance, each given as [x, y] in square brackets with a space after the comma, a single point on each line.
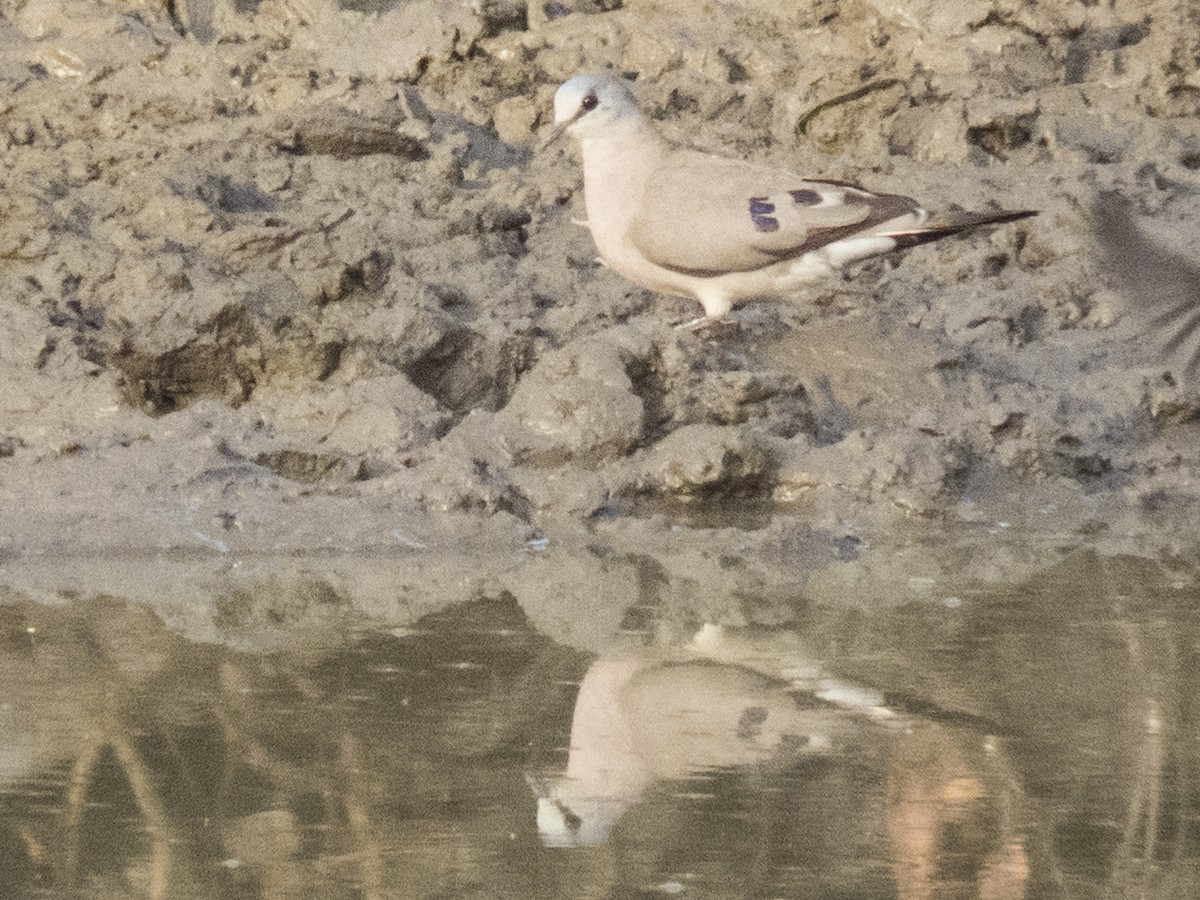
[707, 215]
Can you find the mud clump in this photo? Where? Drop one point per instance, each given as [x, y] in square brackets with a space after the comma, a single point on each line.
[294, 250]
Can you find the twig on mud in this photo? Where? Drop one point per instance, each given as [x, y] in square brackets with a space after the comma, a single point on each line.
[856, 94]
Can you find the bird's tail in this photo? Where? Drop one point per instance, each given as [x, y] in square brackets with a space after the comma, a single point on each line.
[948, 223]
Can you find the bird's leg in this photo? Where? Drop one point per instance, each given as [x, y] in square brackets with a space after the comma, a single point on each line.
[717, 310]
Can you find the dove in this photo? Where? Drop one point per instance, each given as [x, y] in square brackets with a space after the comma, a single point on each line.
[679, 221]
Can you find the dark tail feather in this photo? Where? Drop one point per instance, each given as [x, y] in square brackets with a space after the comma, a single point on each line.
[946, 224]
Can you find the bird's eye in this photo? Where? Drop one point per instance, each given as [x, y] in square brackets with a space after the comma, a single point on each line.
[590, 102]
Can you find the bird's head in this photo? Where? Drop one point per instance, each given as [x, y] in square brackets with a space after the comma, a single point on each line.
[586, 104]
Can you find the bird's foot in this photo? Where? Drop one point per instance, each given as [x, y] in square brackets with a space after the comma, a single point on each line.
[705, 323]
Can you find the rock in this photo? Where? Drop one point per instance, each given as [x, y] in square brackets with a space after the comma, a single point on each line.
[702, 461]
[577, 405]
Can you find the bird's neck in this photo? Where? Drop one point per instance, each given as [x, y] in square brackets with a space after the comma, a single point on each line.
[616, 169]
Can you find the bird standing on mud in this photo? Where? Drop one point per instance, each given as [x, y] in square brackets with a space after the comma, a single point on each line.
[720, 230]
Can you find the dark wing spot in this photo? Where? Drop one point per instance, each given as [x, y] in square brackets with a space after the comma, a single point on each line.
[760, 214]
[750, 723]
[570, 819]
[806, 198]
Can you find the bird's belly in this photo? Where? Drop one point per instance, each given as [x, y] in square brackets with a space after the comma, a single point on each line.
[624, 259]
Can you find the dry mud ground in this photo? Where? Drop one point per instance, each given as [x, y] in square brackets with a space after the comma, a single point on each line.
[284, 277]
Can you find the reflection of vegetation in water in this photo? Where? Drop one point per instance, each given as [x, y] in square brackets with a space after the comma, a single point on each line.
[230, 775]
[133, 763]
[1091, 674]
[1109, 724]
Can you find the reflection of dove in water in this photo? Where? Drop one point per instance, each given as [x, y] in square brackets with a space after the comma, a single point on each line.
[647, 717]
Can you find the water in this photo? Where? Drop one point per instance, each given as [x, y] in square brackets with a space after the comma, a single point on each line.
[1026, 739]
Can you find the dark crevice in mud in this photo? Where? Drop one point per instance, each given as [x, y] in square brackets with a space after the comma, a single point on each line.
[996, 19]
[506, 497]
[345, 134]
[85, 325]
[719, 392]
[515, 503]
[1003, 135]
[832, 419]
[222, 361]
[465, 370]
[312, 468]
[1086, 47]
[650, 386]
[365, 278]
[330, 355]
[713, 511]
[1077, 464]
[494, 493]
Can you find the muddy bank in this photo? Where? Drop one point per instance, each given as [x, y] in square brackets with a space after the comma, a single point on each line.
[281, 277]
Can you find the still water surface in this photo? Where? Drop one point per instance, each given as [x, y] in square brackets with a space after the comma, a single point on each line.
[1034, 740]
